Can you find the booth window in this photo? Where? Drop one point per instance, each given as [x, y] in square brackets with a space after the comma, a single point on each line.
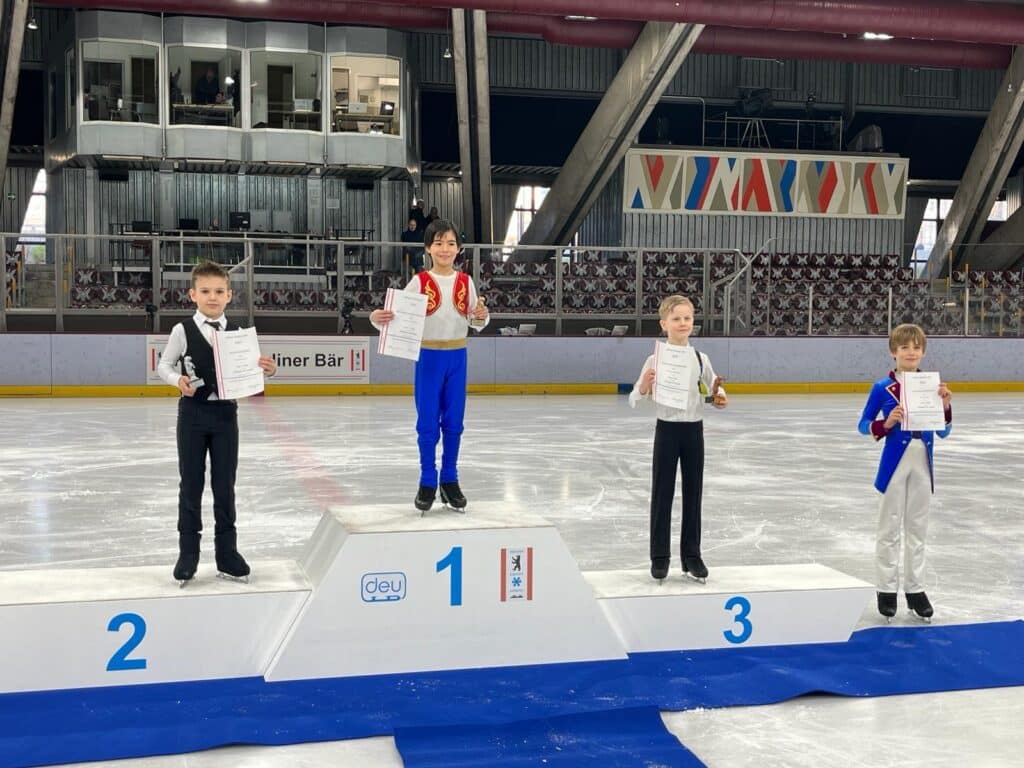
[285, 90]
[365, 95]
[119, 82]
[204, 86]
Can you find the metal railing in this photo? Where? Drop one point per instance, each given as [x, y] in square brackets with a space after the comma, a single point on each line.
[569, 289]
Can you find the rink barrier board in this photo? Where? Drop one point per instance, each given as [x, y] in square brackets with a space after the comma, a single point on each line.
[329, 390]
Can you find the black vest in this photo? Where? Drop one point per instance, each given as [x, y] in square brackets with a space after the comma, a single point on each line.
[199, 354]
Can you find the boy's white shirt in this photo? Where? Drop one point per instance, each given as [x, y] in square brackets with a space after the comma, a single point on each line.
[694, 410]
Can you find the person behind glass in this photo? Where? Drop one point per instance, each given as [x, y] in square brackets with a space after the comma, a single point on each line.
[207, 90]
[439, 387]
[679, 439]
[206, 424]
[413, 254]
[905, 477]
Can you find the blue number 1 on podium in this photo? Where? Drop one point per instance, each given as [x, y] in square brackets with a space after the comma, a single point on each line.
[453, 559]
[740, 618]
[119, 660]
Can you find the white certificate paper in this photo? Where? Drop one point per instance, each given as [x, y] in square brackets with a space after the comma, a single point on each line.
[237, 357]
[403, 335]
[919, 398]
[673, 373]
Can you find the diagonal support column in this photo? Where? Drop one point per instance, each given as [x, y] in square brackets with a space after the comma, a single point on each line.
[473, 102]
[1003, 248]
[986, 172]
[645, 74]
[12, 68]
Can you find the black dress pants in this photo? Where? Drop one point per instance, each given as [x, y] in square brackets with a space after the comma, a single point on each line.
[677, 443]
[207, 427]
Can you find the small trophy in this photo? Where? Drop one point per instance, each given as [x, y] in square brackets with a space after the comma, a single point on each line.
[717, 398]
[480, 304]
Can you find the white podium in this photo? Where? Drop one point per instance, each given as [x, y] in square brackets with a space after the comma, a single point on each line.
[395, 592]
[119, 626]
[750, 605]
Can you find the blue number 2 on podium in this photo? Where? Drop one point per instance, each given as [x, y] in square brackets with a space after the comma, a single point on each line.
[453, 559]
[740, 618]
[119, 660]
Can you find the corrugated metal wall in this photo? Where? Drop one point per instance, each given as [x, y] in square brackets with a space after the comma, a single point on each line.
[358, 209]
[749, 233]
[534, 65]
[603, 225]
[18, 182]
[119, 203]
[446, 195]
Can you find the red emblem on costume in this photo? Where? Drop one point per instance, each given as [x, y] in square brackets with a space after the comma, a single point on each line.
[461, 293]
[429, 287]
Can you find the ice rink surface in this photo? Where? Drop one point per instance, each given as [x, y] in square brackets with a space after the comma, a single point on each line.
[788, 479]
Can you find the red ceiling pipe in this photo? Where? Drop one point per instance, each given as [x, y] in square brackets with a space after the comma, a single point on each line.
[602, 34]
[922, 19]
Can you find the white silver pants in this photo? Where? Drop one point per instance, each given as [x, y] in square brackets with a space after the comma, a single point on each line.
[904, 506]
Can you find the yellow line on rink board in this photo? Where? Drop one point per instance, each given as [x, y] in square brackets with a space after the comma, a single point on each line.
[579, 388]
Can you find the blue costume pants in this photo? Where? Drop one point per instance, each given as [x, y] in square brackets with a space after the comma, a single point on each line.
[440, 394]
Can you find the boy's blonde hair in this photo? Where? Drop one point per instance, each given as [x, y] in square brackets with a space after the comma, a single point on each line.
[671, 302]
[907, 333]
[209, 269]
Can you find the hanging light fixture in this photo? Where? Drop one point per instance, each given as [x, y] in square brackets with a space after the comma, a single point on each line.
[448, 48]
[32, 23]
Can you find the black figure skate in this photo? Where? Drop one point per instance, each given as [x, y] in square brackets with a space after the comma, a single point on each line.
[451, 496]
[918, 603]
[188, 558]
[424, 498]
[659, 568]
[230, 564]
[694, 568]
[887, 605]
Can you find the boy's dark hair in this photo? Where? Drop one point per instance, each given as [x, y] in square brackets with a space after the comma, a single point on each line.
[907, 333]
[439, 227]
[209, 269]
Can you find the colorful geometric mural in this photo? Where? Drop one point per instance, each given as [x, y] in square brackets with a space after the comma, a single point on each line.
[764, 184]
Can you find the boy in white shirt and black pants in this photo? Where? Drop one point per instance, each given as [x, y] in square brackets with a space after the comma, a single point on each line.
[205, 423]
[679, 438]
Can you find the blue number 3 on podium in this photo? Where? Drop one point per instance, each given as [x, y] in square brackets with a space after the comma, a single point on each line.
[740, 618]
[119, 660]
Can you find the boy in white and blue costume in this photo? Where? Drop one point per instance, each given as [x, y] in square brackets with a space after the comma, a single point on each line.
[440, 379]
[905, 478]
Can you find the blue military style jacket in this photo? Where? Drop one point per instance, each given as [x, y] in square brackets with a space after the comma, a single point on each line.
[884, 396]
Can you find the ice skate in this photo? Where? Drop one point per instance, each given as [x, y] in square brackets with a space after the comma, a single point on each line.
[918, 604]
[424, 498]
[232, 567]
[451, 496]
[185, 568]
[887, 605]
[230, 564]
[694, 568]
[188, 558]
[659, 568]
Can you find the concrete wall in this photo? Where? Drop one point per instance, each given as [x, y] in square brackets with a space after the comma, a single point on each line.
[99, 360]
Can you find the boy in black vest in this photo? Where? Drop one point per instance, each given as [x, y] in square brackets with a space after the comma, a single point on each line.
[205, 423]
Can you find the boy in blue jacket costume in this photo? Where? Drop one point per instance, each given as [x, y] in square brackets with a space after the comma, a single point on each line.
[905, 477]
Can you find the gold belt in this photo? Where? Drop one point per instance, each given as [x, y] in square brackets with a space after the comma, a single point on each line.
[443, 343]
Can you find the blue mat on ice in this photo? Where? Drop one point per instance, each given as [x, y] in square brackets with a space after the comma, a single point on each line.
[51, 727]
[624, 738]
